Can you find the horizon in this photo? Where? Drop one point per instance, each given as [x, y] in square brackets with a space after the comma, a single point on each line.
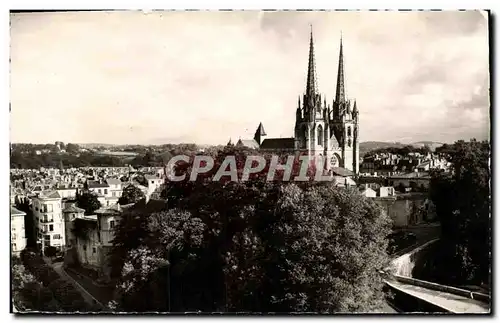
[83, 86]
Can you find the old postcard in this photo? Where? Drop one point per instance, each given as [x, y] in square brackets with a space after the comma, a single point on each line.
[250, 162]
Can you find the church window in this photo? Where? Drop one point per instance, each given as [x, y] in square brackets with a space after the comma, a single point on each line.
[320, 135]
[349, 132]
[312, 136]
[349, 142]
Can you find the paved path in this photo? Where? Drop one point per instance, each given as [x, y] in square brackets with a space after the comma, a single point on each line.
[450, 302]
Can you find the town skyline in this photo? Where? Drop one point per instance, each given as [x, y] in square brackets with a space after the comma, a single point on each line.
[424, 76]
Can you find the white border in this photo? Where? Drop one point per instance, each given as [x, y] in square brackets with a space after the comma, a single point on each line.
[184, 4]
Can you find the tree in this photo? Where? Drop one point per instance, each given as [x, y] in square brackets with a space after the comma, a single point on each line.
[463, 206]
[88, 201]
[72, 148]
[264, 246]
[131, 194]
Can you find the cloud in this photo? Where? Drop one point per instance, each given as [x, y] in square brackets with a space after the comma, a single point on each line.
[208, 76]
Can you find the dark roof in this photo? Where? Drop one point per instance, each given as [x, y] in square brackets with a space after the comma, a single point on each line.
[152, 206]
[278, 143]
[250, 143]
[340, 171]
[94, 184]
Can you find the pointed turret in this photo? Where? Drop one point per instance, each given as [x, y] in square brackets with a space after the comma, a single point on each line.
[311, 87]
[340, 96]
[259, 133]
[355, 111]
[229, 143]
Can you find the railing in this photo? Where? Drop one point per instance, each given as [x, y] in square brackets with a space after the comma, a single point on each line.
[443, 288]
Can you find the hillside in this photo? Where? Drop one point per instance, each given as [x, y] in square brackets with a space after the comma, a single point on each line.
[367, 146]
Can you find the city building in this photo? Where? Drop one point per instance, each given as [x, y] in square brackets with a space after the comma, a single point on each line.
[48, 219]
[17, 232]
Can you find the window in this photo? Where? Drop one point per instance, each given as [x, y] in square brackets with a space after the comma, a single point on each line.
[105, 191]
[99, 191]
[49, 208]
[51, 227]
[56, 236]
[348, 131]
[113, 194]
[44, 208]
[14, 246]
[14, 236]
[73, 216]
[152, 182]
[111, 224]
[320, 135]
[46, 237]
[93, 250]
[84, 248]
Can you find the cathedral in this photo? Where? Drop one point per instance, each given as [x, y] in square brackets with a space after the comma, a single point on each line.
[321, 129]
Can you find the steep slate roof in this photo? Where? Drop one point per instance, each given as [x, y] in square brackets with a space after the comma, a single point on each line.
[249, 143]
[72, 209]
[95, 184]
[278, 143]
[14, 211]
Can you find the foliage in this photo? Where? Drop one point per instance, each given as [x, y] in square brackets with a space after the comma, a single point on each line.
[251, 246]
[37, 287]
[68, 297]
[131, 194]
[463, 205]
[88, 201]
[50, 251]
[403, 151]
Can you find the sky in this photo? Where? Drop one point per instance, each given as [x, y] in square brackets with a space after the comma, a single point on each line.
[129, 77]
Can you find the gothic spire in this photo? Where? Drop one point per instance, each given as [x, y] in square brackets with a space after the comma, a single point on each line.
[340, 96]
[311, 71]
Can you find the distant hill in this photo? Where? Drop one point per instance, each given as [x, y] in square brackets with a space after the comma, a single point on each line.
[367, 146]
[432, 144]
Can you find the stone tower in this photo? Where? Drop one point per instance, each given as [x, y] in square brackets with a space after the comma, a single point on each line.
[321, 130]
[345, 123]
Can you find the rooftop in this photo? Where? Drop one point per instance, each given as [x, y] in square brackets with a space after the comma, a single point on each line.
[73, 209]
[14, 211]
[49, 195]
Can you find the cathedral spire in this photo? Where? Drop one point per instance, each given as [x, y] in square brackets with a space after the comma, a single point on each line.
[311, 71]
[340, 96]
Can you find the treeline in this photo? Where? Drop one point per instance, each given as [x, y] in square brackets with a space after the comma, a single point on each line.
[24, 156]
[55, 160]
[37, 287]
[403, 151]
[253, 246]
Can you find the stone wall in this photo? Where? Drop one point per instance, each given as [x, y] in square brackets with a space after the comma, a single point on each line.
[404, 264]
